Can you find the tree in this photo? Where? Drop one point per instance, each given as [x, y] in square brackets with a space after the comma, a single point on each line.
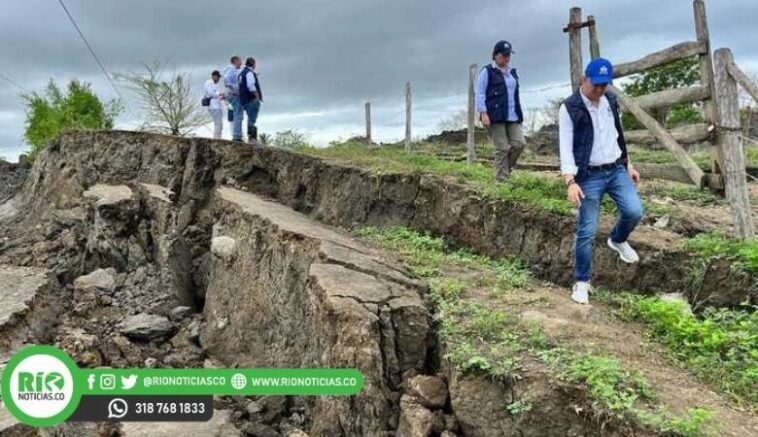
[677, 74]
[54, 112]
[170, 105]
[289, 139]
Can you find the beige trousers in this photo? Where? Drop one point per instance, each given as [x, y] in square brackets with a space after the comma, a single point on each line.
[509, 142]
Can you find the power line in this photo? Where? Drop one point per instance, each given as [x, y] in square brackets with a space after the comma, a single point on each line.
[89, 47]
[14, 83]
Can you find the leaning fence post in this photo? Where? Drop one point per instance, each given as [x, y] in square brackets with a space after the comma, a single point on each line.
[732, 153]
[470, 136]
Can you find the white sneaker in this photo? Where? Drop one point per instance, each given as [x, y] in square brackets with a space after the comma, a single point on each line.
[580, 293]
[625, 251]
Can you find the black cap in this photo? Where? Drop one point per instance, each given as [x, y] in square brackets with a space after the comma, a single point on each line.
[503, 47]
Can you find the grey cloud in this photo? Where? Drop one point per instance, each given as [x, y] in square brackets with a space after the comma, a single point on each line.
[331, 56]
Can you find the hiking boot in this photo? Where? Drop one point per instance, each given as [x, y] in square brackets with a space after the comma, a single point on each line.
[580, 292]
[625, 251]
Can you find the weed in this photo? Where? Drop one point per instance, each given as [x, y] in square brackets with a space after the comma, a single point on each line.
[517, 407]
[744, 254]
[720, 345]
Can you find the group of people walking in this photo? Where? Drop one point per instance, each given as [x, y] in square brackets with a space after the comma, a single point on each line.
[593, 155]
[242, 92]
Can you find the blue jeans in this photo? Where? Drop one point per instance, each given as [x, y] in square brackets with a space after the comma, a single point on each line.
[618, 184]
[251, 109]
[234, 101]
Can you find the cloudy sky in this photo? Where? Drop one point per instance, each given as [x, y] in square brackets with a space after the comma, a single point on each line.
[320, 60]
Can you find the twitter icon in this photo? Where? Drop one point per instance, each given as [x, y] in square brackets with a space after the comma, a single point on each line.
[127, 382]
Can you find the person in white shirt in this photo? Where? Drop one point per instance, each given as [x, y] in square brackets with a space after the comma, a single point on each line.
[232, 96]
[594, 162]
[214, 108]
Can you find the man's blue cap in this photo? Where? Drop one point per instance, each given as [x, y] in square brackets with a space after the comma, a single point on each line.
[599, 71]
[503, 47]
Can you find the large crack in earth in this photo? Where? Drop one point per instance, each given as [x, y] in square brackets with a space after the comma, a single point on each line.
[136, 250]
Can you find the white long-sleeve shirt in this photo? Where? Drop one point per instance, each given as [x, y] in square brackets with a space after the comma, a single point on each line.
[250, 81]
[605, 147]
[211, 90]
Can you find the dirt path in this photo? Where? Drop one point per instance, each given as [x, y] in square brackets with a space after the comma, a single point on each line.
[594, 330]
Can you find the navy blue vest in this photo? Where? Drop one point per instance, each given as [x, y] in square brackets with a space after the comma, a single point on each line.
[245, 95]
[584, 134]
[496, 97]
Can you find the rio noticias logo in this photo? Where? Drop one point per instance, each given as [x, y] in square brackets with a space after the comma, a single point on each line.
[38, 386]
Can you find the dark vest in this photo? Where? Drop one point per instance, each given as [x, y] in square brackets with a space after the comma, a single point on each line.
[245, 95]
[584, 134]
[496, 96]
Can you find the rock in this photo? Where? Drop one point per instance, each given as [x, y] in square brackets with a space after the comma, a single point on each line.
[255, 429]
[100, 280]
[254, 408]
[179, 312]
[296, 433]
[415, 419]
[662, 222]
[146, 327]
[150, 362]
[677, 297]
[108, 194]
[30, 305]
[224, 247]
[479, 405]
[448, 434]
[430, 391]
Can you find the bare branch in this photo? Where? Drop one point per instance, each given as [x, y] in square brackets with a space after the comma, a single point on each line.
[170, 105]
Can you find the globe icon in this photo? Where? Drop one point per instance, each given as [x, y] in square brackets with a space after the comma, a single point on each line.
[239, 381]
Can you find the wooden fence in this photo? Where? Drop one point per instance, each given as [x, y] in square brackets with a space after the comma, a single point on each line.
[718, 92]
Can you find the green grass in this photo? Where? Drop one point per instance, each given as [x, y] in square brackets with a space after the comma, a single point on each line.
[719, 345]
[646, 155]
[479, 337]
[523, 187]
[742, 254]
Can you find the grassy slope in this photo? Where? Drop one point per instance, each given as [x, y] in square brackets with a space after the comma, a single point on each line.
[540, 190]
[482, 335]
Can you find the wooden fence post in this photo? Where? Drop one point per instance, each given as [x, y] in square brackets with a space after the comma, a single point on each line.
[368, 123]
[575, 46]
[731, 146]
[710, 106]
[470, 137]
[594, 41]
[407, 116]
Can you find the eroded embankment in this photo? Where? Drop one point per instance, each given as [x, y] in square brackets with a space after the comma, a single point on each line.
[155, 263]
[347, 196]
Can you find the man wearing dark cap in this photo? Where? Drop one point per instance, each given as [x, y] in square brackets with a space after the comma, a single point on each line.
[594, 162]
[499, 107]
[251, 97]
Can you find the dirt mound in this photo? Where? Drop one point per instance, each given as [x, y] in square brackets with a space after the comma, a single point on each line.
[12, 176]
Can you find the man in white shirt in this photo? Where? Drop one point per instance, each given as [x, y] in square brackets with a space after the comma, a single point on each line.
[594, 162]
[232, 95]
[214, 108]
